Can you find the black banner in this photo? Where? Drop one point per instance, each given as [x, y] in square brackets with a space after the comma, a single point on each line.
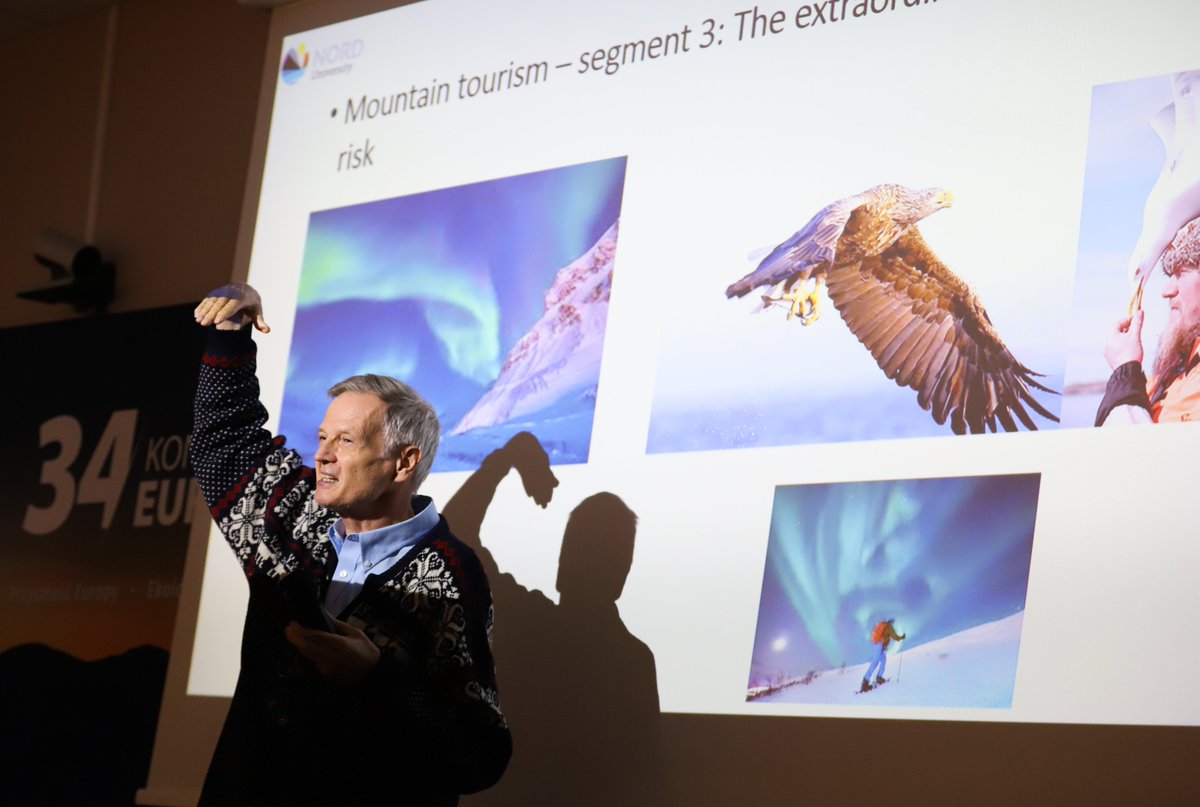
[98, 492]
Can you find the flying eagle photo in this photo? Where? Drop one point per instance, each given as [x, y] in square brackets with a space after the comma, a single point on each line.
[923, 324]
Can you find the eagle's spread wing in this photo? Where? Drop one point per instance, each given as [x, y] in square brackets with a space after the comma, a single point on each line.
[928, 331]
[813, 245]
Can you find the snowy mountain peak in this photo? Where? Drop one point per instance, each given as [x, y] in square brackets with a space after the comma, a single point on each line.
[561, 352]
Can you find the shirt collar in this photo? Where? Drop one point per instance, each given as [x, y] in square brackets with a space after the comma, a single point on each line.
[377, 545]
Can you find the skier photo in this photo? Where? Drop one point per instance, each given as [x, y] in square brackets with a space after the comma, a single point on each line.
[947, 558]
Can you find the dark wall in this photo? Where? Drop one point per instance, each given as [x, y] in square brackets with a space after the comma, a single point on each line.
[150, 154]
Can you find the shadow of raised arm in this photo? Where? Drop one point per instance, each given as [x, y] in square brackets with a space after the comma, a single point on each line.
[466, 509]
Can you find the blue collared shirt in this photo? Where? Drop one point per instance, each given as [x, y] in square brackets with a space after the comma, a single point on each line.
[373, 552]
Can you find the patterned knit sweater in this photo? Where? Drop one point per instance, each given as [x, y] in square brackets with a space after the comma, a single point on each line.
[426, 725]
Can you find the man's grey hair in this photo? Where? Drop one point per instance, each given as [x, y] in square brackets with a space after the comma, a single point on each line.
[1184, 251]
[408, 421]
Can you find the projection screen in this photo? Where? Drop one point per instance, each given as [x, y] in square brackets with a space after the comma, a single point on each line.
[655, 237]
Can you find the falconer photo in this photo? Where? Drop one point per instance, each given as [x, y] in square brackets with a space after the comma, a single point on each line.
[1136, 317]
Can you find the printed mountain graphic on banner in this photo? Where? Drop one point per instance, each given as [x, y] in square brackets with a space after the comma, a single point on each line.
[561, 353]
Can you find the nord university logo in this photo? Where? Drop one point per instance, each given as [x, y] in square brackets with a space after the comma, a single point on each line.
[294, 64]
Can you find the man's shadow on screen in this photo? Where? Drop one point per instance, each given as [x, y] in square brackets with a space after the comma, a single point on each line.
[578, 689]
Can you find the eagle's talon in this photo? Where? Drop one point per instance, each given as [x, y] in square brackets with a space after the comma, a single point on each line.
[814, 308]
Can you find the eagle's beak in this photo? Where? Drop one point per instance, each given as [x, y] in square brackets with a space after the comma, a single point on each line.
[944, 199]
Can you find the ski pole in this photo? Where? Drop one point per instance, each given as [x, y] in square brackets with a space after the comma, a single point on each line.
[899, 665]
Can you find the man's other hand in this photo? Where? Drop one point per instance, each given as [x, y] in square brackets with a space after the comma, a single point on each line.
[1125, 342]
[230, 307]
[345, 657]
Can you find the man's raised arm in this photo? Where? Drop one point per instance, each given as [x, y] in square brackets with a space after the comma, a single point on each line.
[1125, 399]
[227, 435]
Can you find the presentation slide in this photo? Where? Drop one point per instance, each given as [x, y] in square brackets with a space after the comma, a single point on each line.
[828, 295]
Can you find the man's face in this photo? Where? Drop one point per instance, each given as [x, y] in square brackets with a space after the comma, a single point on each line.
[1182, 294]
[354, 475]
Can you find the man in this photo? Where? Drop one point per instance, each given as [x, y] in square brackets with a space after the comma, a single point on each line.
[1172, 393]
[882, 635]
[397, 703]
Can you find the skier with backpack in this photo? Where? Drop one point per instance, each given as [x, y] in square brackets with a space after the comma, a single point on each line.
[881, 635]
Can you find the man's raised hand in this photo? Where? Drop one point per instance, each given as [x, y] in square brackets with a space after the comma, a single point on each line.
[231, 306]
[1124, 342]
